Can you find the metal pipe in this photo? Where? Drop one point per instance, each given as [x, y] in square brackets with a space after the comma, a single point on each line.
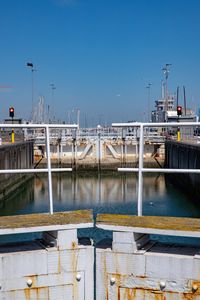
[19, 171]
[140, 175]
[164, 124]
[159, 170]
[184, 96]
[49, 171]
[70, 126]
[177, 95]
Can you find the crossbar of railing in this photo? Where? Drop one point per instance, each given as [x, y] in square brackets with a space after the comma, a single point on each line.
[48, 170]
[140, 170]
[159, 170]
[20, 171]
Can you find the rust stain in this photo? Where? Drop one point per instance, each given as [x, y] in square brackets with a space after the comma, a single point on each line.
[74, 262]
[34, 293]
[59, 263]
[27, 294]
[105, 275]
[130, 294]
[74, 245]
[118, 294]
[188, 296]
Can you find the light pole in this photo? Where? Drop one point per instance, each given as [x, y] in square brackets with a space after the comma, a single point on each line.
[30, 65]
[166, 73]
[52, 85]
[148, 104]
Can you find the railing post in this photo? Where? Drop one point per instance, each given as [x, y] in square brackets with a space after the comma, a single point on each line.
[49, 170]
[140, 174]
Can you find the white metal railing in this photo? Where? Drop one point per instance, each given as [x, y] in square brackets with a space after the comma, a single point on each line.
[142, 130]
[140, 170]
[48, 170]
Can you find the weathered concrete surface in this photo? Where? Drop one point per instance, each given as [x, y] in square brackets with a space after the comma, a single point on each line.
[42, 222]
[14, 156]
[182, 155]
[55, 267]
[150, 224]
[136, 268]
[105, 154]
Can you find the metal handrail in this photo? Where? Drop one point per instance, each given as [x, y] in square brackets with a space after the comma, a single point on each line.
[48, 170]
[140, 170]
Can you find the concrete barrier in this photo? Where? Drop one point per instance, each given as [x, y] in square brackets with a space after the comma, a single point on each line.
[133, 267]
[56, 267]
[182, 155]
[14, 156]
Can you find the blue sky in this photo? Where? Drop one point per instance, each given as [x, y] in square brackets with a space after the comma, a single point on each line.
[100, 54]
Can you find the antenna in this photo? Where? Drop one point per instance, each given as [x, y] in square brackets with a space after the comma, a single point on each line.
[166, 73]
[184, 96]
[177, 94]
[148, 104]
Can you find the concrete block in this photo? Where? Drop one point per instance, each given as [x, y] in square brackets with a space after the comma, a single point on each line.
[61, 292]
[63, 239]
[172, 267]
[124, 248]
[33, 294]
[80, 259]
[23, 263]
[44, 281]
[129, 242]
[121, 263]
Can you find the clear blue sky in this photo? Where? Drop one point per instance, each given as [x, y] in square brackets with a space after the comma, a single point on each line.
[100, 54]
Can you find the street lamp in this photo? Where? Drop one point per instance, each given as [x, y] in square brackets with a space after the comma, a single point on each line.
[30, 65]
[148, 104]
[52, 85]
[166, 73]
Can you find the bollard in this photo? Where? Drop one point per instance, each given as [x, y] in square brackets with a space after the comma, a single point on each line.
[12, 136]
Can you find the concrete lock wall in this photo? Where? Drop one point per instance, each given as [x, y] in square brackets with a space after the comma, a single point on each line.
[54, 267]
[136, 268]
[58, 266]
[152, 272]
[97, 153]
[184, 156]
[14, 156]
[37, 271]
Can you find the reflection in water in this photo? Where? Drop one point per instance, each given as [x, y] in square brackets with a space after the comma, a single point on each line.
[110, 193]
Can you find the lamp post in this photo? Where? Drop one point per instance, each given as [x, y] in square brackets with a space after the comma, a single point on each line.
[30, 65]
[148, 104]
[166, 73]
[53, 87]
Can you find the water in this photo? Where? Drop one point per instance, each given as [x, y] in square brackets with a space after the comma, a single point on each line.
[104, 193]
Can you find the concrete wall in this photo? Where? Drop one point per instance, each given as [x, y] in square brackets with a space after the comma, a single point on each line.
[14, 156]
[39, 270]
[181, 155]
[133, 267]
[54, 267]
[102, 154]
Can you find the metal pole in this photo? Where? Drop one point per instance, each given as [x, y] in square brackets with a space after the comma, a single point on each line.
[140, 174]
[49, 171]
[148, 106]
[32, 83]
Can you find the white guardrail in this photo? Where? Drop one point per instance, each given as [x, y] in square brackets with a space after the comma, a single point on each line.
[48, 170]
[141, 126]
[141, 168]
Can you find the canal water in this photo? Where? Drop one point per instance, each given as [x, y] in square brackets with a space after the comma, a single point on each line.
[109, 192]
